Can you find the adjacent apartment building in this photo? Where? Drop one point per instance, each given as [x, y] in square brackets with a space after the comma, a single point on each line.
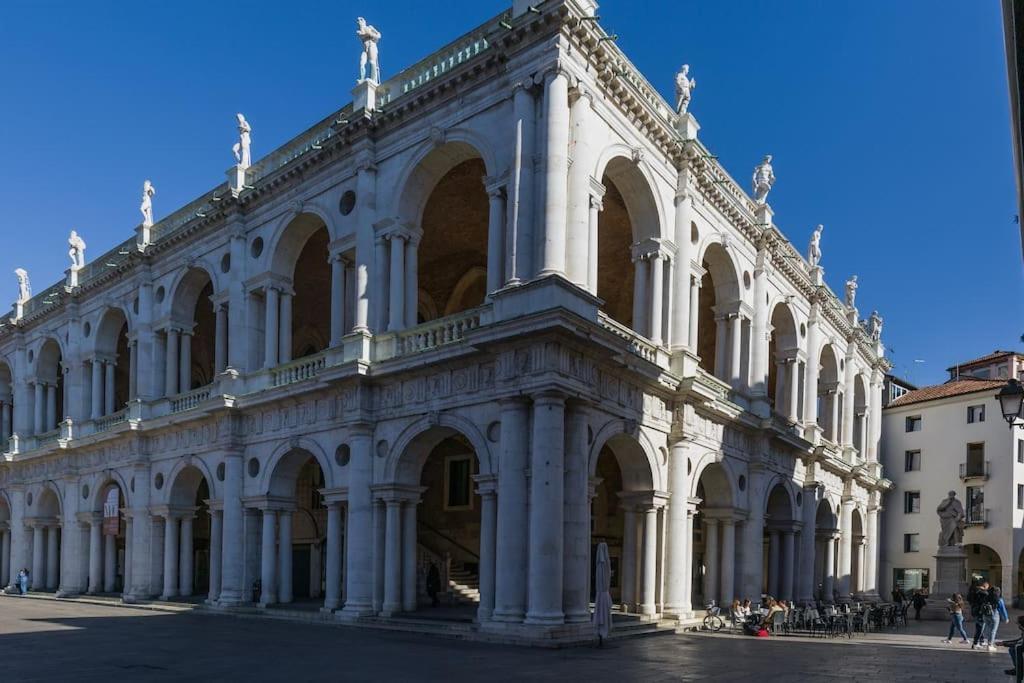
[951, 437]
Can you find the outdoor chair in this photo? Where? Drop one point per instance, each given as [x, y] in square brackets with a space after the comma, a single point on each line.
[778, 622]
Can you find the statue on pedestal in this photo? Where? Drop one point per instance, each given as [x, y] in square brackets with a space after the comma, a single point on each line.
[24, 286]
[241, 148]
[684, 85]
[875, 326]
[146, 207]
[369, 36]
[814, 248]
[764, 178]
[851, 291]
[951, 517]
[76, 251]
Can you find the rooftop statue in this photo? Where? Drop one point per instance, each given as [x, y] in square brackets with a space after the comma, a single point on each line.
[951, 517]
[851, 291]
[146, 207]
[764, 178]
[369, 37]
[814, 248]
[241, 148]
[684, 86]
[24, 286]
[76, 251]
[875, 326]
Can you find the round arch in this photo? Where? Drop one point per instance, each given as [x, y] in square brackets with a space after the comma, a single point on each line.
[289, 458]
[632, 450]
[290, 236]
[785, 484]
[48, 501]
[431, 162]
[108, 327]
[188, 473]
[103, 483]
[187, 287]
[722, 476]
[399, 467]
[635, 184]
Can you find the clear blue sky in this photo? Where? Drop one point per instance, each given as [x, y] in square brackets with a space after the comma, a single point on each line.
[888, 121]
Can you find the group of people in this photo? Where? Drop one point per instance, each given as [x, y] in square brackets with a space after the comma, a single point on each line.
[757, 623]
[987, 608]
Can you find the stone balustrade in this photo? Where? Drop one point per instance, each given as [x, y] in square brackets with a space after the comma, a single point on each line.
[190, 400]
[299, 370]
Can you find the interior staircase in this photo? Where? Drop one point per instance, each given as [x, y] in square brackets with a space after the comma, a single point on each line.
[463, 584]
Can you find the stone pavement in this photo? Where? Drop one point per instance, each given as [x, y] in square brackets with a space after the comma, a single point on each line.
[43, 640]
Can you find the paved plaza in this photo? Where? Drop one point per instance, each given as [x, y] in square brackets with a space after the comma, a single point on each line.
[43, 640]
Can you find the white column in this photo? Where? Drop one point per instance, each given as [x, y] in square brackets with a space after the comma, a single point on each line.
[133, 370]
[547, 472]
[221, 343]
[678, 556]
[109, 562]
[271, 328]
[488, 527]
[108, 387]
[6, 426]
[396, 309]
[332, 591]
[170, 557]
[556, 175]
[682, 308]
[759, 328]
[409, 556]
[337, 299]
[96, 407]
[495, 236]
[828, 585]
[128, 542]
[232, 533]
[649, 571]
[40, 407]
[735, 350]
[596, 206]
[51, 406]
[379, 542]
[358, 529]
[185, 369]
[834, 426]
[849, 399]
[728, 532]
[216, 553]
[845, 548]
[393, 558]
[806, 581]
[694, 310]
[721, 347]
[774, 551]
[576, 520]
[657, 303]
[380, 276]
[412, 278]
[712, 569]
[788, 565]
[38, 554]
[268, 559]
[811, 376]
[871, 552]
[284, 344]
[95, 555]
[511, 543]
[628, 562]
[781, 379]
[792, 387]
[520, 244]
[5, 558]
[185, 559]
[171, 375]
[52, 557]
[641, 278]
[284, 556]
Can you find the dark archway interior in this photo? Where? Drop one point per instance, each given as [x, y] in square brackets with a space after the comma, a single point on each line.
[311, 320]
[615, 272]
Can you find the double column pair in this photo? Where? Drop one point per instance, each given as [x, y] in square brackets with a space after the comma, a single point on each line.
[398, 510]
[6, 420]
[102, 557]
[102, 387]
[45, 404]
[178, 553]
[652, 277]
[178, 368]
[782, 562]
[729, 348]
[45, 571]
[719, 557]
[787, 387]
[640, 556]
[276, 556]
[277, 339]
[397, 249]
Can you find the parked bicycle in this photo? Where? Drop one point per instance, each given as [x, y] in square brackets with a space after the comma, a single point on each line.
[713, 621]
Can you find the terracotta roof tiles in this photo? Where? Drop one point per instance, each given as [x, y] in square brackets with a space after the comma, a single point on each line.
[950, 388]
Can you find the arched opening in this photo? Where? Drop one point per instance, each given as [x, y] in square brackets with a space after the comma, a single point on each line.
[311, 280]
[983, 564]
[714, 539]
[192, 340]
[720, 327]
[6, 406]
[187, 536]
[438, 558]
[300, 554]
[829, 397]
[111, 366]
[860, 415]
[105, 548]
[628, 256]
[784, 367]
[625, 515]
[779, 533]
[49, 388]
[451, 263]
[826, 553]
[46, 534]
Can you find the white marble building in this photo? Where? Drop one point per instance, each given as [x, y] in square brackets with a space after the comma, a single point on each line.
[501, 308]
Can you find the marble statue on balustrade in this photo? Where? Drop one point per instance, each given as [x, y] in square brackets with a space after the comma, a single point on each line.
[369, 36]
[684, 88]
[241, 148]
[764, 179]
[24, 286]
[951, 519]
[76, 251]
[851, 292]
[814, 248]
[875, 326]
[146, 207]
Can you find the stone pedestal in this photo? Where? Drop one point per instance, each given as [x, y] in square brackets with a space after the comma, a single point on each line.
[950, 577]
[236, 178]
[818, 275]
[687, 126]
[364, 96]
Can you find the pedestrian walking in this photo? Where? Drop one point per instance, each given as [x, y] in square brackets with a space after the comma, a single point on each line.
[918, 602]
[956, 618]
[983, 611]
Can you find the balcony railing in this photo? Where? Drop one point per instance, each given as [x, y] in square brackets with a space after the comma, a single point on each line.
[298, 370]
[977, 516]
[638, 344]
[47, 438]
[107, 423]
[436, 333]
[974, 470]
[190, 400]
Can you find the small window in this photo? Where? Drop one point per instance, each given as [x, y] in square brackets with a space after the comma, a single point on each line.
[1020, 496]
[975, 505]
[975, 414]
[912, 502]
[910, 579]
[458, 482]
[914, 423]
[912, 461]
[1020, 450]
[911, 543]
[975, 460]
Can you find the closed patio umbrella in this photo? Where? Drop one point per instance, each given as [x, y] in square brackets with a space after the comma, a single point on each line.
[603, 602]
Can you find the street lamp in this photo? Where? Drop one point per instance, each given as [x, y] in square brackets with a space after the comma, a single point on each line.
[1011, 398]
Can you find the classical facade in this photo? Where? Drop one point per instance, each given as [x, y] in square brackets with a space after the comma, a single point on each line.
[501, 308]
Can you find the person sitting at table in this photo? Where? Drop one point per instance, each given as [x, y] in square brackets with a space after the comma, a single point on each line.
[736, 612]
[773, 608]
[746, 608]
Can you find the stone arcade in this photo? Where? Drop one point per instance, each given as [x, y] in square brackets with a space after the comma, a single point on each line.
[501, 308]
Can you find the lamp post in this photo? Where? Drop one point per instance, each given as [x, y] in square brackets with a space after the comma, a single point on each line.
[1011, 398]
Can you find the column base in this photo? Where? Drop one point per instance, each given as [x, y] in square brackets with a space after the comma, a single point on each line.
[328, 609]
[544, 619]
[230, 598]
[67, 593]
[508, 617]
[354, 612]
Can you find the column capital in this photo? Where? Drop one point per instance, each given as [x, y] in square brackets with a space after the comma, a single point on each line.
[486, 484]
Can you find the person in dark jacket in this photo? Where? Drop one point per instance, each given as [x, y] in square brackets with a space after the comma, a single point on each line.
[433, 585]
[918, 601]
[982, 610]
